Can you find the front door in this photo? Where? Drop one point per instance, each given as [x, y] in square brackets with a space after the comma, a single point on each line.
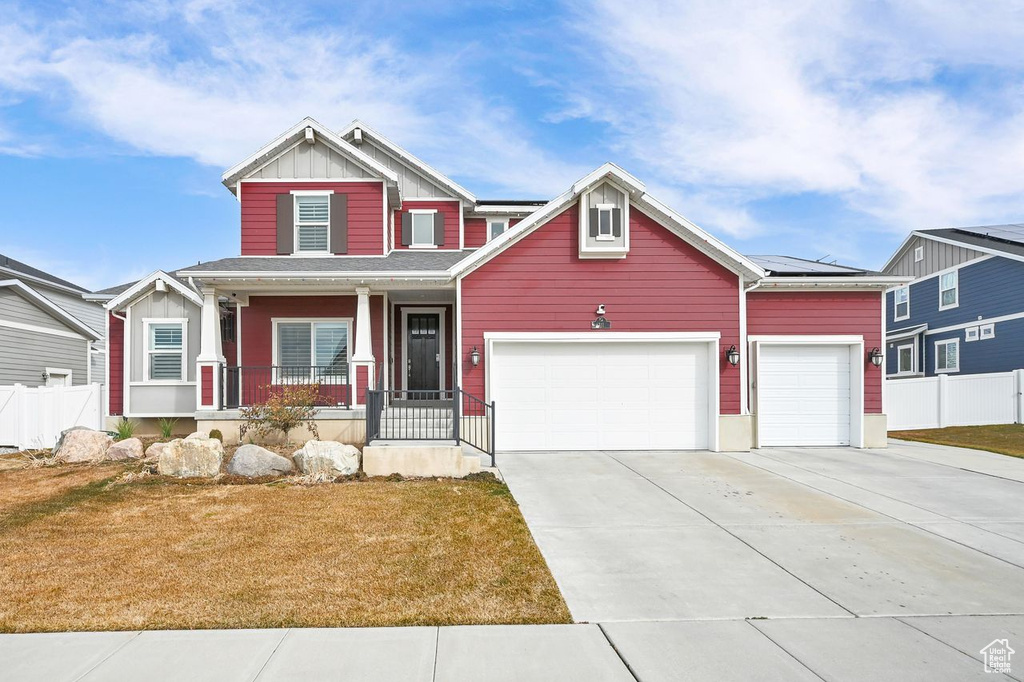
[423, 352]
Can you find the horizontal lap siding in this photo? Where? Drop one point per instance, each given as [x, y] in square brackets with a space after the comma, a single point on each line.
[115, 360]
[832, 313]
[476, 231]
[25, 354]
[365, 215]
[541, 285]
[451, 210]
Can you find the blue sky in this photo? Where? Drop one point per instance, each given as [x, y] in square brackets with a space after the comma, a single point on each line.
[808, 128]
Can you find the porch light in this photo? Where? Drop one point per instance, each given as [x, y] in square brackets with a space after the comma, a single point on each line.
[600, 309]
[474, 356]
[46, 376]
[875, 356]
[732, 355]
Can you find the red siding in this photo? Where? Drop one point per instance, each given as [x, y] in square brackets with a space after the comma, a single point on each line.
[812, 312]
[257, 327]
[115, 358]
[365, 215]
[399, 339]
[206, 384]
[451, 211]
[476, 231]
[541, 284]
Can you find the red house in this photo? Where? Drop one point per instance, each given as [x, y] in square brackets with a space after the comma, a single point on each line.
[601, 319]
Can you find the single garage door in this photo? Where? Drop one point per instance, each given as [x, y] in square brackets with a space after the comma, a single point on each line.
[803, 395]
[607, 395]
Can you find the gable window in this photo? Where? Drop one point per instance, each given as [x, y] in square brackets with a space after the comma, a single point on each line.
[495, 228]
[905, 360]
[312, 223]
[423, 228]
[949, 295]
[165, 350]
[604, 222]
[901, 300]
[311, 350]
[919, 254]
[947, 356]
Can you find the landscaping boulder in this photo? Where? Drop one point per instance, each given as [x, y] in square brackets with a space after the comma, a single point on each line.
[252, 461]
[191, 458]
[129, 448]
[154, 451]
[81, 444]
[327, 457]
[197, 434]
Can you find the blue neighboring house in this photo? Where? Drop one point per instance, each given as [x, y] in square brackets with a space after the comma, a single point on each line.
[963, 313]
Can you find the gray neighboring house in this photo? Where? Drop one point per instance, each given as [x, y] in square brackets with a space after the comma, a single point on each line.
[50, 332]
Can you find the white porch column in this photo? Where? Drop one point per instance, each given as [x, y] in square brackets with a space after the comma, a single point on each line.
[211, 354]
[362, 356]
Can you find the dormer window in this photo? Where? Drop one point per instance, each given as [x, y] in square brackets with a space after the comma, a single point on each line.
[604, 222]
[312, 223]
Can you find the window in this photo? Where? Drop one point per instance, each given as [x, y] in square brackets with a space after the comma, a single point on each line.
[905, 359]
[312, 223]
[988, 331]
[314, 350]
[947, 356]
[604, 222]
[971, 334]
[948, 294]
[901, 299]
[496, 227]
[165, 350]
[919, 254]
[423, 228]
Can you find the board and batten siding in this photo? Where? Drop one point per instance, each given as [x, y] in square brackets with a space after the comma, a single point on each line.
[937, 256]
[412, 184]
[163, 399]
[854, 313]
[365, 215]
[305, 161]
[24, 353]
[541, 285]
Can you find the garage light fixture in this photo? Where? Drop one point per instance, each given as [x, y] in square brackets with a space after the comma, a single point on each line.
[876, 357]
[732, 355]
[474, 356]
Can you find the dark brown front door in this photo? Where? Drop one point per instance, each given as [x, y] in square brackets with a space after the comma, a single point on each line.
[424, 348]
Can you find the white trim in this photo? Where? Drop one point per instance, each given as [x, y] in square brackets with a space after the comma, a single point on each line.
[292, 181]
[41, 330]
[918, 254]
[163, 383]
[504, 220]
[932, 275]
[441, 337]
[413, 244]
[458, 378]
[157, 415]
[48, 306]
[61, 371]
[858, 282]
[987, 331]
[946, 342]
[147, 322]
[741, 346]
[601, 336]
[970, 332]
[388, 340]
[973, 323]
[896, 304]
[106, 363]
[882, 346]
[823, 339]
[296, 224]
[310, 192]
[126, 352]
[971, 247]
[913, 359]
[349, 342]
[956, 289]
[126, 297]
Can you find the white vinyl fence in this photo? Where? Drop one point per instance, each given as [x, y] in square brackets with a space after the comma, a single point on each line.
[949, 400]
[34, 417]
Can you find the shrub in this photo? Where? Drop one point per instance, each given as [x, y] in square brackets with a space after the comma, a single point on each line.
[125, 428]
[215, 433]
[286, 408]
[166, 426]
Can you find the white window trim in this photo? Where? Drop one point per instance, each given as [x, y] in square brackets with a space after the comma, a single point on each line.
[913, 359]
[274, 350]
[896, 317]
[66, 373]
[610, 208]
[296, 193]
[946, 342]
[971, 334]
[918, 254]
[987, 331]
[412, 237]
[956, 288]
[146, 351]
[504, 229]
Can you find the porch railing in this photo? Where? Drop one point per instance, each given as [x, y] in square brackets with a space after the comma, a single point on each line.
[247, 386]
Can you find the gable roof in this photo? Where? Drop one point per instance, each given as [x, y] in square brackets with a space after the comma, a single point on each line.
[418, 165]
[51, 308]
[135, 290]
[295, 134]
[395, 264]
[14, 267]
[639, 197]
[998, 240]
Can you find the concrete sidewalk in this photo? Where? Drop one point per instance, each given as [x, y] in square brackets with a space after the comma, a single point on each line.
[932, 649]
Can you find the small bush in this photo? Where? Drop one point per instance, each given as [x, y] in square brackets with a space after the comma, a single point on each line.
[215, 433]
[125, 428]
[286, 408]
[167, 427]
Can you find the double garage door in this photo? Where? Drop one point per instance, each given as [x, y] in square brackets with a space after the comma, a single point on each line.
[656, 395]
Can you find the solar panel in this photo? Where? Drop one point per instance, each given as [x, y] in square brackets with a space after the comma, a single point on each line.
[791, 265]
[1009, 233]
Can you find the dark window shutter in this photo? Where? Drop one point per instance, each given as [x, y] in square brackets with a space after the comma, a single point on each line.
[616, 222]
[285, 224]
[593, 222]
[439, 229]
[406, 229]
[339, 223]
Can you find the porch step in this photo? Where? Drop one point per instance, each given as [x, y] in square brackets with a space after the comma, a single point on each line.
[427, 459]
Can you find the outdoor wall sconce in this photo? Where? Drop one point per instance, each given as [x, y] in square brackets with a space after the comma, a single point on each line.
[732, 355]
[875, 356]
[600, 322]
[600, 309]
[46, 376]
[474, 356]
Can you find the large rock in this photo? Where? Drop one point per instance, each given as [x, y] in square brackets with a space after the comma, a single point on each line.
[80, 444]
[197, 434]
[129, 448]
[191, 458]
[252, 461]
[154, 451]
[327, 457]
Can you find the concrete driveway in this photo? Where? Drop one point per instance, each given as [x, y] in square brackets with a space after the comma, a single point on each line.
[818, 557]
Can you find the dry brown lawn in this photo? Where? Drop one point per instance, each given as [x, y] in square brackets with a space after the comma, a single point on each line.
[1005, 439]
[81, 550]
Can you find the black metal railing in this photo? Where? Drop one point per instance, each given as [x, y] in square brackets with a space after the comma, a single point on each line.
[247, 386]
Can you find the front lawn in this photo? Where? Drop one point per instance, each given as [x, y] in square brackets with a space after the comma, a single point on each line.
[1005, 439]
[85, 548]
